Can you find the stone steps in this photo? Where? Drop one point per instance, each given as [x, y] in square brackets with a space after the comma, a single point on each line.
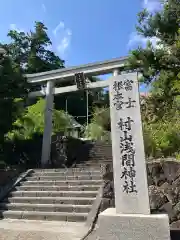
[51, 200]
[62, 183]
[50, 216]
[54, 195]
[65, 177]
[93, 164]
[45, 207]
[58, 188]
[83, 167]
[67, 172]
[76, 174]
[90, 164]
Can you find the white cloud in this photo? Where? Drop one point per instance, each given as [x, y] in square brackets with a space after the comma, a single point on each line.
[152, 5]
[13, 26]
[138, 40]
[58, 27]
[64, 43]
[62, 38]
[69, 32]
[44, 8]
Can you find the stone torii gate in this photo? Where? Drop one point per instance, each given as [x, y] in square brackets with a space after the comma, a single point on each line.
[64, 75]
[131, 218]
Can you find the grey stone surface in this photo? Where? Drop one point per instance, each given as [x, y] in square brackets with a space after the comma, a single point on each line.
[93, 214]
[66, 177]
[63, 183]
[69, 200]
[46, 144]
[46, 207]
[51, 200]
[53, 194]
[112, 226]
[40, 230]
[67, 173]
[136, 202]
[156, 197]
[59, 188]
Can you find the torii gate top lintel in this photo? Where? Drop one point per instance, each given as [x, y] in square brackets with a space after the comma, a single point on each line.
[91, 69]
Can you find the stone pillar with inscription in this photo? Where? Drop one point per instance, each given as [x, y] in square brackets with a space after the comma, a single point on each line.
[131, 218]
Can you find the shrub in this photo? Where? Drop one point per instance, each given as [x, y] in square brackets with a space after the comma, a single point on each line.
[161, 136]
[162, 139]
[32, 122]
[99, 128]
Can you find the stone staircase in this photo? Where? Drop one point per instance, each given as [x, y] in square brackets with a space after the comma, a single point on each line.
[100, 152]
[55, 194]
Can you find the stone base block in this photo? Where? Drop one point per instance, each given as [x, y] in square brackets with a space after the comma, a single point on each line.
[113, 226]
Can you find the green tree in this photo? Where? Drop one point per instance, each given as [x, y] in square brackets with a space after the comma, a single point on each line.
[160, 64]
[32, 122]
[31, 50]
[99, 127]
[12, 87]
[41, 59]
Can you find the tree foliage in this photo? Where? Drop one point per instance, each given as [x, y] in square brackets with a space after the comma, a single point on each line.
[26, 53]
[32, 122]
[12, 87]
[160, 64]
[162, 138]
[32, 50]
[99, 127]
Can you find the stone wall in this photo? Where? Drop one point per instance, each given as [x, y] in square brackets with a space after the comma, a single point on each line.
[164, 189]
[8, 175]
[7, 178]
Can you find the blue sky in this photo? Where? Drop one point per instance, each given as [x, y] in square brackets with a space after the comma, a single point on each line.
[81, 31]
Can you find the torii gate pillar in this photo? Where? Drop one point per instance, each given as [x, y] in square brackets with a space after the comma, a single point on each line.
[46, 146]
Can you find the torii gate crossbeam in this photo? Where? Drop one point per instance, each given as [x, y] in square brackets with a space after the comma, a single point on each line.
[64, 75]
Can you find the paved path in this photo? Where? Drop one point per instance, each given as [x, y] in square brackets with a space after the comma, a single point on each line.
[41, 230]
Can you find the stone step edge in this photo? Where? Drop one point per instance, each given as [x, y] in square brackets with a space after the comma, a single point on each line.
[75, 169]
[60, 176]
[62, 181]
[66, 174]
[2, 204]
[55, 191]
[45, 213]
[86, 168]
[70, 170]
[54, 198]
[55, 186]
